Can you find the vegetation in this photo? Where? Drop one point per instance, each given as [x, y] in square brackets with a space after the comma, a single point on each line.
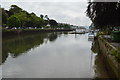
[23, 43]
[14, 21]
[17, 18]
[104, 14]
[116, 54]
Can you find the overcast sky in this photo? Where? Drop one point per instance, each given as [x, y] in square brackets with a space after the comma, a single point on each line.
[64, 11]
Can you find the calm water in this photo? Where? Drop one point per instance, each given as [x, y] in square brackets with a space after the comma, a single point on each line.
[49, 55]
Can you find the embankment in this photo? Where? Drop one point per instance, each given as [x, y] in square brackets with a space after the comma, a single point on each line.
[111, 55]
[6, 33]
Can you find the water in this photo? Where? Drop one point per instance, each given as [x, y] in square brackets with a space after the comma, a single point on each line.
[48, 55]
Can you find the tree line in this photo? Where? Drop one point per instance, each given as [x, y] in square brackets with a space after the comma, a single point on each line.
[104, 14]
[18, 18]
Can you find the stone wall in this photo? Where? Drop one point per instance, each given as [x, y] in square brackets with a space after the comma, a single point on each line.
[108, 52]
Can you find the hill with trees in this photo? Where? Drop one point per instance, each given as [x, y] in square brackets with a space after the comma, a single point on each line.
[17, 18]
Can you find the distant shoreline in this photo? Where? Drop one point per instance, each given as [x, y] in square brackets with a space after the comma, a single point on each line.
[10, 32]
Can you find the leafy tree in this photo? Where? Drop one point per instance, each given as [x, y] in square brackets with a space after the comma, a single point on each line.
[46, 22]
[15, 9]
[63, 25]
[41, 16]
[9, 13]
[14, 21]
[104, 14]
[53, 23]
[46, 16]
[22, 16]
[4, 17]
[41, 23]
[36, 21]
[25, 19]
[66, 26]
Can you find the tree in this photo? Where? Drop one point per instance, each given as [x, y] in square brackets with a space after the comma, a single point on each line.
[15, 9]
[22, 16]
[53, 23]
[9, 13]
[64, 25]
[104, 14]
[46, 22]
[23, 19]
[41, 23]
[37, 21]
[4, 17]
[46, 16]
[13, 21]
[41, 16]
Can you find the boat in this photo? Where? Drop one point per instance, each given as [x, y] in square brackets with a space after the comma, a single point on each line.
[91, 35]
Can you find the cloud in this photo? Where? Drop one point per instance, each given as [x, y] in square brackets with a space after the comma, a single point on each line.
[65, 12]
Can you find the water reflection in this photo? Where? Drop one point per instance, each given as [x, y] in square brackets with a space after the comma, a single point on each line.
[102, 70]
[24, 43]
[48, 55]
[95, 46]
[52, 37]
[53, 55]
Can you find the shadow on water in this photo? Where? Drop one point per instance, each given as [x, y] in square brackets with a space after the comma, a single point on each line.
[23, 43]
[102, 70]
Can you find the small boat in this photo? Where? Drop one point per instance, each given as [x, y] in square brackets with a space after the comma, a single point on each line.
[91, 34]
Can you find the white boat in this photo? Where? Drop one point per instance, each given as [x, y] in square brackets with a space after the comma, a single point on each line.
[91, 35]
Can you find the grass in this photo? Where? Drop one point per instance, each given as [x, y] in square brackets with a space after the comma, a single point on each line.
[116, 54]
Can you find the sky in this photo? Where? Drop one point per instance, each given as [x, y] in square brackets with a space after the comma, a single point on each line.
[63, 11]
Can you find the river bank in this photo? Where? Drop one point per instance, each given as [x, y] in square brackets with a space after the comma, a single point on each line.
[111, 57]
[12, 32]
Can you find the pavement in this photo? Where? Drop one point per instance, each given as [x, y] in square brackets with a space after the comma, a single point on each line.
[115, 44]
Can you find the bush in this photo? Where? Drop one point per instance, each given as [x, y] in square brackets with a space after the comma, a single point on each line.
[100, 34]
[116, 54]
[115, 36]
